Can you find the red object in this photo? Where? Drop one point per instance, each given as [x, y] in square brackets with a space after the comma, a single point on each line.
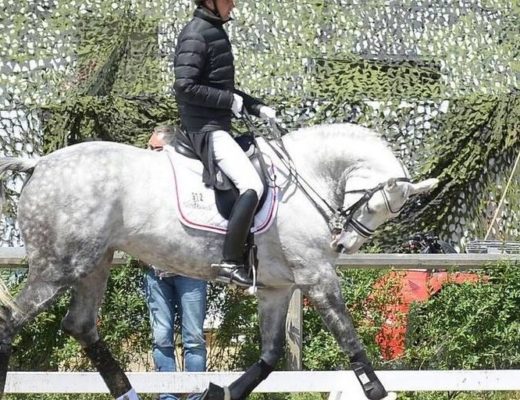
[395, 292]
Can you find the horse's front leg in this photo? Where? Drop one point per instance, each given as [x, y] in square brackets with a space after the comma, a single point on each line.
[272, 309]
[327, 300]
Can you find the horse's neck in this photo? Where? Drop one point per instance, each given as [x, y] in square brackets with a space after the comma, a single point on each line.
[331, 157]
[331, 152]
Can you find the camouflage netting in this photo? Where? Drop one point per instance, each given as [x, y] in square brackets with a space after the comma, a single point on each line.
[439, 79]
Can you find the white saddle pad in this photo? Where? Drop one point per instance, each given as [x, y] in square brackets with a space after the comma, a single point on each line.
[195, 202]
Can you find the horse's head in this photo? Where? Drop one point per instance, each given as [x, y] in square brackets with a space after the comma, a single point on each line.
[364, 210]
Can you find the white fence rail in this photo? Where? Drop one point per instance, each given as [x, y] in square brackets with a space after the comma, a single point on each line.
[295, 381]
[424, 261]
[12, 256]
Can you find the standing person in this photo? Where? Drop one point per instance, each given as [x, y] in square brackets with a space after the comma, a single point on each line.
[207, 99]
[168, 296]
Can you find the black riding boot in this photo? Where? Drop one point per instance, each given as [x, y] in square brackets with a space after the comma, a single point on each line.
[232, 269]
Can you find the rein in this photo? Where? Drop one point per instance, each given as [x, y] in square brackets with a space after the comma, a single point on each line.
[288, 162]
[337, 219]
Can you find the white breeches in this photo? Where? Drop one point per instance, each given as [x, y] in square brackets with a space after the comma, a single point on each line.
[232, 160]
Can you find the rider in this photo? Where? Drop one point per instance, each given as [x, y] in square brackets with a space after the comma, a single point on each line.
[207, 99]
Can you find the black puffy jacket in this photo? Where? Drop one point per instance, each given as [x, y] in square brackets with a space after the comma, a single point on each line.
[205, 75]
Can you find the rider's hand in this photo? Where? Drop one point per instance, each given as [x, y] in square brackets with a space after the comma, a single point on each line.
[267, 113]
[238, 104]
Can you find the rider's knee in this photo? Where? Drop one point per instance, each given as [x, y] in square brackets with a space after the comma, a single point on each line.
[258, 187]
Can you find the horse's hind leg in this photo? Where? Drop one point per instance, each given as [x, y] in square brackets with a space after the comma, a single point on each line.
[36, 296]
[327, 300]
[80, 323]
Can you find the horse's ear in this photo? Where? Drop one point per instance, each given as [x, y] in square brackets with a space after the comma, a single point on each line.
[423, 186]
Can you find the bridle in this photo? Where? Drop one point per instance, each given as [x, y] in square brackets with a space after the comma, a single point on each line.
[337, 219]
[344, 217]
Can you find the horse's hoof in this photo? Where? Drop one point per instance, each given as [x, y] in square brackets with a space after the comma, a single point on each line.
[375, 391]
[213, 392]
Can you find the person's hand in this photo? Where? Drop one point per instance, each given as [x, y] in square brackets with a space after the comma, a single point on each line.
[267, 113]
[238, 104]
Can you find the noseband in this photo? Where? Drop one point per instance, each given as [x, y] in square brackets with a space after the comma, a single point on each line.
[345, 216]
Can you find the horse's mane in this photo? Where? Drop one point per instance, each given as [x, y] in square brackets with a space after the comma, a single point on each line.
[347, 141]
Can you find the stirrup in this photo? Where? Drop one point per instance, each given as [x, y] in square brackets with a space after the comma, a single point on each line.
[232, 273]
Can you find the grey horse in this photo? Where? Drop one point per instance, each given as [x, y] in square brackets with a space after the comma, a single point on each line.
[81, 203]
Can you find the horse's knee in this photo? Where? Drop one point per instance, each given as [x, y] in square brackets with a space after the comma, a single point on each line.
[271, 356]
[273, 347]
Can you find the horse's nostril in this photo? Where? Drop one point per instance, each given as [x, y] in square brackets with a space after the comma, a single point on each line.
[340, 248]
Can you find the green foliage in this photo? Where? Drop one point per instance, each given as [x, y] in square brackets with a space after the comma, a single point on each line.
[237, 342]
[469, 326]
[117, 93]
[461, 161]
[365, 79]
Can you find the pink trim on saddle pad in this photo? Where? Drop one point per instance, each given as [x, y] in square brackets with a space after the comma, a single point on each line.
[195, 203]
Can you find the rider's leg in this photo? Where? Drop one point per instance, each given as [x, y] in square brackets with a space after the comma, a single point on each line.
[232, 160]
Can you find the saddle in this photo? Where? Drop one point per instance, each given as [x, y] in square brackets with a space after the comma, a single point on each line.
[226, 198]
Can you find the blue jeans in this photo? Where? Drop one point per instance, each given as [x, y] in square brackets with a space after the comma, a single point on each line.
[165, 297]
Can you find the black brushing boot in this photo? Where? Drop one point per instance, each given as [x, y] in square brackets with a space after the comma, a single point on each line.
[233, 269]
[366, 376]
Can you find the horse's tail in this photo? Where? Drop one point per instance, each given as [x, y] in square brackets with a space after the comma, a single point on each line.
[13, 164]
[18, 165]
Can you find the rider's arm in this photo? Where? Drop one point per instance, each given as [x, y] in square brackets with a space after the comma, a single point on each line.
[190, 60]
[251, 103]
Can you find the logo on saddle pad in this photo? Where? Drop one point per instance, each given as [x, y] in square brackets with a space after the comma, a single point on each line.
[195, 202]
